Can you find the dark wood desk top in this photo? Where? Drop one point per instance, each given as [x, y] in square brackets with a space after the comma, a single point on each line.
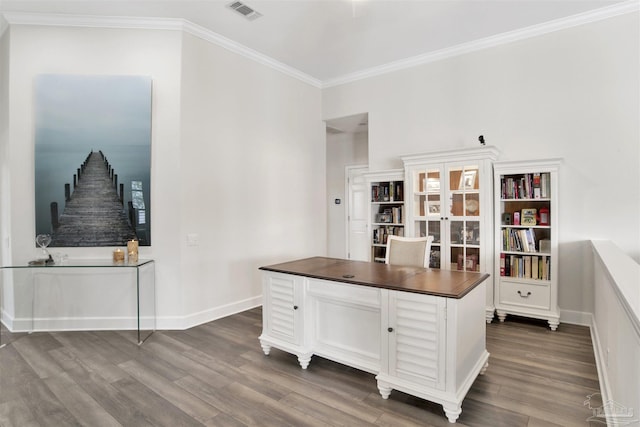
[445, 283]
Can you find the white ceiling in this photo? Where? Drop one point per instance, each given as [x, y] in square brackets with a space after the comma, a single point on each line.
[327, 40]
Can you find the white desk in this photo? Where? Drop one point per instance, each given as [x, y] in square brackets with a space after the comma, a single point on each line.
[418, 330]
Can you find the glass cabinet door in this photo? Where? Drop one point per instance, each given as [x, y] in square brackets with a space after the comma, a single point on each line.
[463, 225]
[428, 209]
[446, 205]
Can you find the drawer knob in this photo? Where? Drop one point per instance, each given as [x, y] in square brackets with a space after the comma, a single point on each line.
[295, 307]
[390, 329]
[524, 296]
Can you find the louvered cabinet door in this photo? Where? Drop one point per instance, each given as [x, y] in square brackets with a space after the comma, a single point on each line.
[417, 338]
[282, 312]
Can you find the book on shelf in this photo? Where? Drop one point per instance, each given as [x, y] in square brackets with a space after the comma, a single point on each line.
[542, 267]
[396, 215]
[531, 239]
[380, 234]
[387, 192]
[398, 192]
[536, 186]
[545, 184]
[526, 186]
[527, 267]
[514, 266]
[533, 267]
[520, 240]
[520, 189]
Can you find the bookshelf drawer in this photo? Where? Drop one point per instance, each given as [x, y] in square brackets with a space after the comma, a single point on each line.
[525, 294]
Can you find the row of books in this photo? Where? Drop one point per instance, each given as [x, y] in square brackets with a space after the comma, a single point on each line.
[387, 192]
[528, 186]
[525, 266]
[519, 239]
[380, 234]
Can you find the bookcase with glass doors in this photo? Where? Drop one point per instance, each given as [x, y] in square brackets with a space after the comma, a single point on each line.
[449, 195]
[526, 239]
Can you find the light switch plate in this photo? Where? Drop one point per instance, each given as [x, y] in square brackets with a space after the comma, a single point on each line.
[193, 239]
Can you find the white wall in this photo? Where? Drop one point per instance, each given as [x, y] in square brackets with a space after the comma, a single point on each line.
[38, 50]
[343, 149]
[237, 158]
[252, 150]
[570, 94]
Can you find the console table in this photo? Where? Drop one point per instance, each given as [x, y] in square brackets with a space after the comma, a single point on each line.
[420, 331]
[144, 270]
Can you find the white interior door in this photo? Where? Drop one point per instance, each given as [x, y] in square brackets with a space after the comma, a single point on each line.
[357, 214]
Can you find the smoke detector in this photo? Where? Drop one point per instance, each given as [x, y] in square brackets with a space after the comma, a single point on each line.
[244, 10]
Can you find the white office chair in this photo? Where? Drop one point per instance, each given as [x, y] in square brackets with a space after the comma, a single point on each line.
[408, 251]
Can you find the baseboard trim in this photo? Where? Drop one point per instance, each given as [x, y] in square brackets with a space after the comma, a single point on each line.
[126, 323]
[205, 316]
[571, 317]
[601, 367]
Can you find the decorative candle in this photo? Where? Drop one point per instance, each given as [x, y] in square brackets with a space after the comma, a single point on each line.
[132, 250]
[118, 256]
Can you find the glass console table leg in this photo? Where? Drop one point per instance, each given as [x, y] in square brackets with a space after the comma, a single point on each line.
[145, 283]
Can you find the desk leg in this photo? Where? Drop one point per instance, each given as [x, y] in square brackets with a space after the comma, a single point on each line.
[266, 348]
[304, 360]
[384, 389]
[452, 412]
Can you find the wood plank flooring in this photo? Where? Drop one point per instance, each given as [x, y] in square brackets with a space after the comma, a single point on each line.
[216, 375]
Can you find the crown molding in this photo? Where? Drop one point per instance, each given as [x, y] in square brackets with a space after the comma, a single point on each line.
[492, 41]
[240, 49]
[171, 24]
[89, 21]
[92, 21]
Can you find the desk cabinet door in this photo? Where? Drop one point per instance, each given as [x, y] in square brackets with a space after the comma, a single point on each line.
[417, 338]
[282, 310]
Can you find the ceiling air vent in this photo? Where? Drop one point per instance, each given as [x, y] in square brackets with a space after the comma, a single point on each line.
[244, 10]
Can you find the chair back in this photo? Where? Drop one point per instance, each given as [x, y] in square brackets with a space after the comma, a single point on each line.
[408, 251]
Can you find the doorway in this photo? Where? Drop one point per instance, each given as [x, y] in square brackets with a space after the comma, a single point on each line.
[347, 145]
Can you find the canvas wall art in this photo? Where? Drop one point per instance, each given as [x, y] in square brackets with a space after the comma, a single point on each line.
[93, 159]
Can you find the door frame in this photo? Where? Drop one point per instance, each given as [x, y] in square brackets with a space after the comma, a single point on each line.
[347, 191]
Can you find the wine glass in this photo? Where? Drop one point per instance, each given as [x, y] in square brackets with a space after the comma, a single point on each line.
[44, 240]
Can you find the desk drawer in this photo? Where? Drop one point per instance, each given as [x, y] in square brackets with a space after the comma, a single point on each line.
[525, 294]
[345, 293]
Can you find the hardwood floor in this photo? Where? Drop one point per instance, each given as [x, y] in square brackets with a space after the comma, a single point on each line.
[216, 375]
